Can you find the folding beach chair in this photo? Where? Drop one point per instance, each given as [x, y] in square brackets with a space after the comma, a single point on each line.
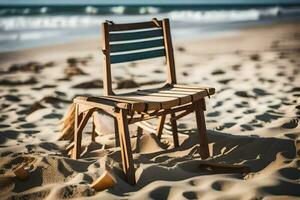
[152, 39]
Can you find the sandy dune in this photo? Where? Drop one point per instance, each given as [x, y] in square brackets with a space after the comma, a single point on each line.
[253, 119]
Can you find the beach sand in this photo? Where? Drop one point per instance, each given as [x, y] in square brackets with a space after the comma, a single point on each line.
[253, 119]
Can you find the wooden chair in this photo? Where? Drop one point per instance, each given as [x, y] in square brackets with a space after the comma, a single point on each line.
[137, 107]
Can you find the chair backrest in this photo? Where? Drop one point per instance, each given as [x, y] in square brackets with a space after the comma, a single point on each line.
[136, 41]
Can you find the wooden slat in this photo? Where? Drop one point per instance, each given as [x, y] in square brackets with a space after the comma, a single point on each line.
[190, 88]
[166, 102]
[138, 105]
[174, 131]
[138, 139]
[160, 113]
[94, 130]
[126, 151]
[117, 138]
[80, 122]
[133, 26]
[169, 52]
[136, 45]
[186, 112]
[107, 85]
[183, 98]
[185, 95]
[160, 126]
[200, 120]
[114, 37]
[137, 56]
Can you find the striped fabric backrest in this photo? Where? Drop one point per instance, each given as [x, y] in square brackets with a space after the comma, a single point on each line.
[135, 41]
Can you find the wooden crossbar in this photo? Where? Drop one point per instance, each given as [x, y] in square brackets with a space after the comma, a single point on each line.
[134, 26]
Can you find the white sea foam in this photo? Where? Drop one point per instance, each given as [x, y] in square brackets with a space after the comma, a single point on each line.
[91, 10]
[43, 10]
[48, 22]
[148, 10]
[73, 21]
[213, 16]
[118, 9]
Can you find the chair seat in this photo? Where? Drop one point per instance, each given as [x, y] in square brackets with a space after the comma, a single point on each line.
[155, 99]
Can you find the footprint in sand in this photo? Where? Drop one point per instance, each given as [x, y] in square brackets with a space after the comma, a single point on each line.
[128, 83]
[290, 173]
[97, 83]
[247, 127]
[8, 134]
[222, 185]
[255, 57]
[218, 72]
[249, 111]
[73, 71]
[35, 67]
[190, 195]
[12, 98]
[225, 81]
[75, 61]
[29, 81]
[158, 71]
[4, 125]
[260, 92]
[185, 74]
[27, 125]
[291, 124]
[281, 74]
[160, 192]
[53, 116]
[44, 87]
[236, 67]
[34, 107]
[225, 125]
[213, 114]
[244, 94]
[266, 117]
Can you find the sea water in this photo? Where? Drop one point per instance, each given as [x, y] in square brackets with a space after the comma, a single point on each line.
[33, 25]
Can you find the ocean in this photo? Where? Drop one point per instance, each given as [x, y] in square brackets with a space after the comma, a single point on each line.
[28, 26]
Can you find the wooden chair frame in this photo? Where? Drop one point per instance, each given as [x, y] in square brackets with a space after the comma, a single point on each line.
[126, 111]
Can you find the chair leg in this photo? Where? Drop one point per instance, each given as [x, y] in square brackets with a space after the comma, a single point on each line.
[77, 134]
[160, 126]
[174, 131]
[81, 120]
[138, 138]
[126, 151]
[117, 139]
[200, 119]
[94, 130]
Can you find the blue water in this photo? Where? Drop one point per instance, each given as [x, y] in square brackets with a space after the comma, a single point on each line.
[30, 26]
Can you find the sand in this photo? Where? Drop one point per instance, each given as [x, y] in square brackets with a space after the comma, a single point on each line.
[253, 119]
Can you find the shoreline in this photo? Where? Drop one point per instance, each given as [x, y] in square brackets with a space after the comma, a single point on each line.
[253, 119]
[209, 32]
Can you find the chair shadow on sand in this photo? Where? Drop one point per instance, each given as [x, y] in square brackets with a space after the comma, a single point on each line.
[252, 151]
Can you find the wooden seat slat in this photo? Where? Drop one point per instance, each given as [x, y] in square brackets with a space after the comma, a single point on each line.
[183, 98]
